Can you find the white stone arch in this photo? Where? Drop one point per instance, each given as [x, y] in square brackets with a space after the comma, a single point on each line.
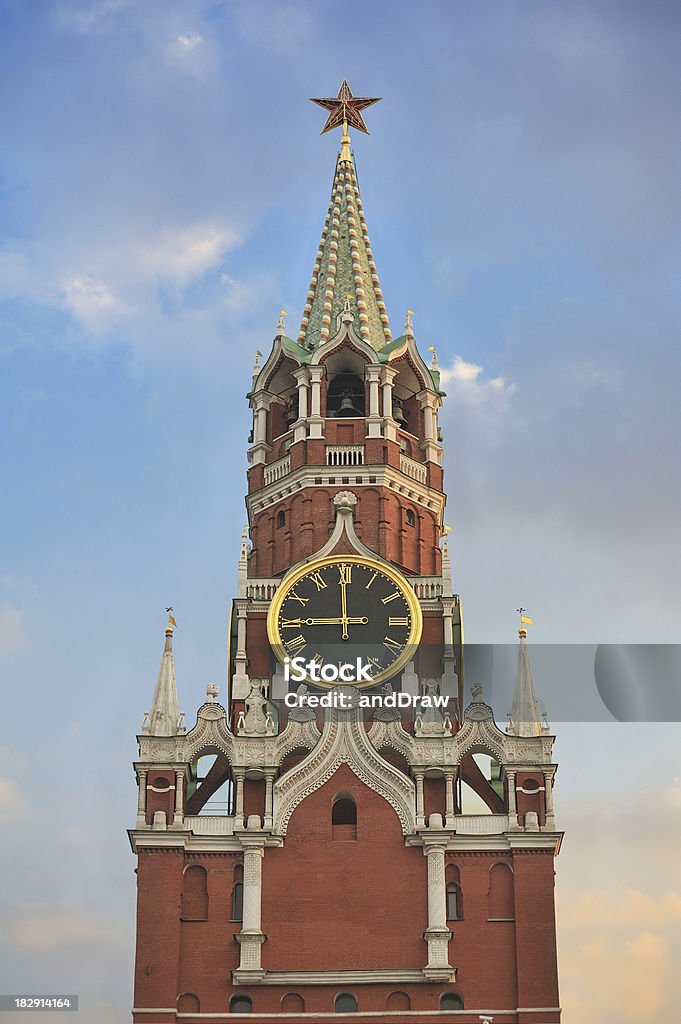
[210, 735]
[344, 742]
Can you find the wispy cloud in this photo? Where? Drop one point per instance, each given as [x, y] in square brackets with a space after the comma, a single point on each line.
[12, 629]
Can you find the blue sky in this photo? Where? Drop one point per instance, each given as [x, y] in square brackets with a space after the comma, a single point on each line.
[162, 190]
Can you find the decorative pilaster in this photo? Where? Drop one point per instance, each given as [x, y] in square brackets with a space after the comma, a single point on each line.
[251, 938]
[240, 680]
[437, 935]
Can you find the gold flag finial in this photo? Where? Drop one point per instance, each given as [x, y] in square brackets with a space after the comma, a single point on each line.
[525, 620]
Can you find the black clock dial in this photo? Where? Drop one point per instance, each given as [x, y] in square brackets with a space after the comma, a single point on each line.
[336, 610]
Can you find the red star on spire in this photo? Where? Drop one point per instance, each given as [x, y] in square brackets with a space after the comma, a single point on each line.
[345, 108]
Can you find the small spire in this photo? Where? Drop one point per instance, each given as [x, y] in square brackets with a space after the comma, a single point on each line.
[256, 362]
[526, 716]
[434, 364]
[212, 692]
[164, 715]
[281, 323]
[408, 325]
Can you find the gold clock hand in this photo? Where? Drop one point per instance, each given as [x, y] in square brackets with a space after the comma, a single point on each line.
[360, 620]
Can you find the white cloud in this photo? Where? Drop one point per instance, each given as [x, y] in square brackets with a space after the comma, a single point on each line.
[12, 634]
[92, 302]
[183, 254]
[190, 41]
[11, 801]
[471, 375]
[43, 927]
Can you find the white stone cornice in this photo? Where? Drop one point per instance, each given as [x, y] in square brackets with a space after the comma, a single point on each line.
[386, 976]
[385, 476]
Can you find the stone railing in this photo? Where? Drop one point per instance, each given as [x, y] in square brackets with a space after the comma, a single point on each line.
[428, 588]
[481, 824]
[276, 470]
[414, 470]
[261, 590]
[345, 454]
[209, 824]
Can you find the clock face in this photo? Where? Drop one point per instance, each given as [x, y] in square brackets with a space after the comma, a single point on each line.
[335, 610]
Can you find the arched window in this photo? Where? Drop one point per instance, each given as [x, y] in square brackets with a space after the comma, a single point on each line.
[410, 517]
[451, 1001]
[241, 1004]
[454, 898]
[292, 1003]
[238, 894]
[188, 1003]
[345, 1003]
[281, 517]
[195, 894]
[453, 901]
[344, 817]
[500, 895]
[398, 1001]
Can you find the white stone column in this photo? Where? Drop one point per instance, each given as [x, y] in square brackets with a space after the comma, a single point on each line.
[374, 417]
[142, 798]
[239, 803]
[548, 798]
[179, 796]
[315, 418]
[302, 377]
[259, 449]
[420, 814]
[512, 809]
[240, 680]
[450, 819]
[437, 935]
[251, 938]
[428, 401]
[388, 375]
[269, 788]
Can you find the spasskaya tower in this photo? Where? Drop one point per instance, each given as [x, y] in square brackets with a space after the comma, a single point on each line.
[389, 855]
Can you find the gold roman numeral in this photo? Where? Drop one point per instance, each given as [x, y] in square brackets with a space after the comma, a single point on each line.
[291, 623]
[345, 573]
[390, 597]
[371, 581]
[318, 580]
[398, 620]
[297, 643]
[294, 597]
[393, 646]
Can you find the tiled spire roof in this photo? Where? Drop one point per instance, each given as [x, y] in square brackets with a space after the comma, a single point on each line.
[344, 269]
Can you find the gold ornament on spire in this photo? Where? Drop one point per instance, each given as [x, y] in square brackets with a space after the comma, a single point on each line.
[344, 109]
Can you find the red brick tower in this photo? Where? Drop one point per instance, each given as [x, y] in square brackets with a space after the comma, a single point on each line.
[297, 862]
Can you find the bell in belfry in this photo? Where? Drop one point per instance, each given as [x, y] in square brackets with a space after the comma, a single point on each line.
[346, 408]
[398, 413]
